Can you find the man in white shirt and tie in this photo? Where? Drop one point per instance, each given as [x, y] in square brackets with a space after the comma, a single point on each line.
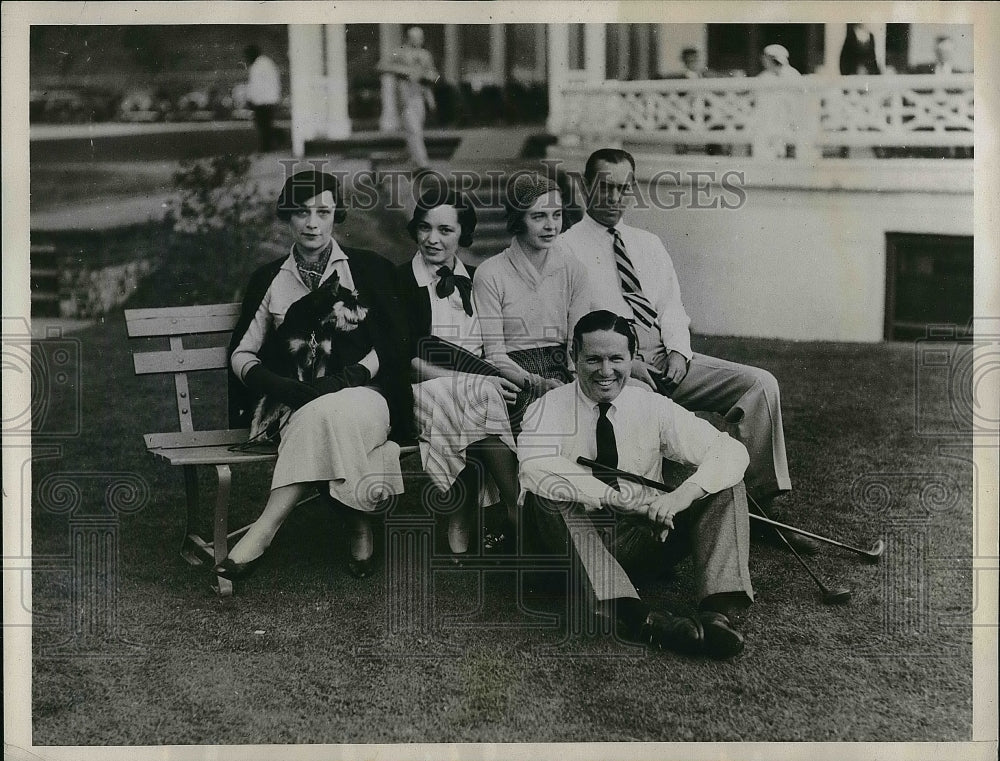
[632, 275]
[618, 529]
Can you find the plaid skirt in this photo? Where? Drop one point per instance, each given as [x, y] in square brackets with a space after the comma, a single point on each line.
[546, 361]
[452, 413]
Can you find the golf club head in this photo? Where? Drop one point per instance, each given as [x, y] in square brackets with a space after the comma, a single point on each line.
[873, 555]
[837, 596]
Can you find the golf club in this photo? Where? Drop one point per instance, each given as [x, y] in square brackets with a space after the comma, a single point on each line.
[831, 595]
[872, 555]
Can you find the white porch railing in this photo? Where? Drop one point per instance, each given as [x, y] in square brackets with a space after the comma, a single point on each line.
[806, 117]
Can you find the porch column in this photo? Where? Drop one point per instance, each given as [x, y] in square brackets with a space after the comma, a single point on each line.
[558, 59]
[498, 54]
[452, 54]
[338, 123]
[305, 63]
[594, 52]
[540, 53]
[833, 40]
[389, 38]
[878, 32]
[647, 42]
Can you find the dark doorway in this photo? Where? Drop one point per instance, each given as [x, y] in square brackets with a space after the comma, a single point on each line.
[737, 47]
[928, 282]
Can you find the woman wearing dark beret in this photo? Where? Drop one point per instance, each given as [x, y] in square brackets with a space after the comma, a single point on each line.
[531, 294]
[339, 428]
[460, 400]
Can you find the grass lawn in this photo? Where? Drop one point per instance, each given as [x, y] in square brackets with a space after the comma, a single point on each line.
[304, 653]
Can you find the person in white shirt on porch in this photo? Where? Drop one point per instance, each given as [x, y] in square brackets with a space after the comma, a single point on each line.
[263, 94]
[632, 274]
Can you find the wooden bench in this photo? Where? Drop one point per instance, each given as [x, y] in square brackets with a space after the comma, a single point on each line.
[190, 447]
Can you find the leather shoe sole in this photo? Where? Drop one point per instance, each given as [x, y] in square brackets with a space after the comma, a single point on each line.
[720, 639]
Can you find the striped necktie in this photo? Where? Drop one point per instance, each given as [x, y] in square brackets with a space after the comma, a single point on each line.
[631, 290]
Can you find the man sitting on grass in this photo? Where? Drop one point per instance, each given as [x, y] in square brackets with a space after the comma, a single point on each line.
[616, 527]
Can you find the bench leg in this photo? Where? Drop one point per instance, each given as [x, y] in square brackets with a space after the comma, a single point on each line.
[220, 544]
[193, 549]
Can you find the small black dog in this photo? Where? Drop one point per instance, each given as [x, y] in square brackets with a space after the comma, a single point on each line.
[322, 333]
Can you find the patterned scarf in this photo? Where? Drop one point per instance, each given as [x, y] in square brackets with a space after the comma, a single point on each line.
[312, 272]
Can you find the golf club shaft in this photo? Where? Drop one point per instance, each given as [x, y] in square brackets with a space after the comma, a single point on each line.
[762, 518]
[663, 487]
[819, 582]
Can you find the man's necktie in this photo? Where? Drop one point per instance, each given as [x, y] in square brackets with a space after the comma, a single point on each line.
[448, 281]
[607, 446]
[631, 290]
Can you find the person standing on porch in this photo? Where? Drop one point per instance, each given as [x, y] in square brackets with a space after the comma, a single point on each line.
[415, 74]
[263, 94]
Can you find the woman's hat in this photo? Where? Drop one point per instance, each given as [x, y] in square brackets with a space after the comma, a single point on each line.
[778, 52]
[302, 186]
[523, 189]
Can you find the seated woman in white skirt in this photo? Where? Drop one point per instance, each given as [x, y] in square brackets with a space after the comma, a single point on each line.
[338, 432]
[460, 400]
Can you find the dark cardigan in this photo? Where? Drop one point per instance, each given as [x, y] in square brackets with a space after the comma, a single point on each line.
[417, 307]
[375, 281]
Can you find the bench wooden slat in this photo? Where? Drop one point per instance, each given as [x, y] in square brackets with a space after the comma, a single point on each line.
[188, 360]
[176, 326]
[175, 439]
[220, 455]
[171, 321]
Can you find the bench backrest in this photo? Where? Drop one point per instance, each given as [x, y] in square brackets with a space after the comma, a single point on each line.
[174, 323]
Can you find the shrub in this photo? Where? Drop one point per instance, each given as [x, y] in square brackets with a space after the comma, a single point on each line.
[219, 227]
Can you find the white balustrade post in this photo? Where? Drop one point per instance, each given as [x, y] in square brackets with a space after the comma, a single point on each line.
[305, 63]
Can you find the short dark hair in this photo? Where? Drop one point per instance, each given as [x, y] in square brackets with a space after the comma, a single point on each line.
[602, 319]
[434, 197]
[689, 52]
[302, 186]
[611, 156]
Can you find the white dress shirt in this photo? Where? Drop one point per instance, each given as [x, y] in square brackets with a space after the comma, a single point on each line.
[561, 426]
[448, 318]
[287, 288]
[593, 245]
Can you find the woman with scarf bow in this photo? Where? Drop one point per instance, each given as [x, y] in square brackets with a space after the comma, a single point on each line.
[460, 400]
[338, 432]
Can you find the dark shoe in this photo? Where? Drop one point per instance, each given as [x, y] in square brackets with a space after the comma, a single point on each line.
[361, 569]
[721, 639]
[667, 631]
[227, 569]
[766, 534]
[500, 541]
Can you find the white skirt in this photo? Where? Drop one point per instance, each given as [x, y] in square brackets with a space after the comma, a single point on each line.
[342, 438]
[452, 413]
